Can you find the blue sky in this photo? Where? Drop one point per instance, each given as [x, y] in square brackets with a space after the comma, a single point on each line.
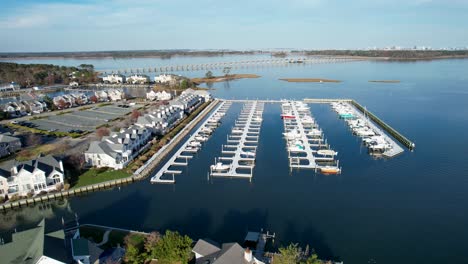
[83, 25]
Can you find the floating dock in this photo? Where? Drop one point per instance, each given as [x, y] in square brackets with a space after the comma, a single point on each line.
[191, 146]
[392, 148]
[305, 144]
[238, 155]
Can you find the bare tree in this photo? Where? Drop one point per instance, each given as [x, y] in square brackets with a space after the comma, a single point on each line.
[33, 140]
[94, 99]
[77, 160]
[61, 104]
[135, 114]
[102, 131]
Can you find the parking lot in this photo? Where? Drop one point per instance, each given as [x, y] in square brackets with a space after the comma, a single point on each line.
[80, 121]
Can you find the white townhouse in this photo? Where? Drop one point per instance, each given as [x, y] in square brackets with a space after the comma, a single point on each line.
[114, 78]
[187, 102]
[159, 96]
[165, 78]
[118, 149]
[138, 79]
[31, 177]
[161, 120]
[115, 94]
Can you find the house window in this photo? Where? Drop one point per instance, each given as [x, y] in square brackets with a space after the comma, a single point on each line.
[56, 178]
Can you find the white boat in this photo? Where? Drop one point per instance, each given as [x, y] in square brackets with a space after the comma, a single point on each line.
[201, 138]
[364, 132]
[194, 144]
[206, 130]
[293, 134]
[315, 132]
[257, 119]
[248, 154]
[327, 152]
[380, 147]
[237, 131]
[190, 148]
[307, 120]
[220, 167]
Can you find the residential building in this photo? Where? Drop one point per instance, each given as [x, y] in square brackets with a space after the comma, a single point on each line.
[118, 149]
[187, 102]
[114, 78]
[207, 251]
[159, 96]
[8, 144]
[115, 94]
[109, 95]
[27, 247]
[138, 79]
[169, 79]
[34, 176]
[161, 120]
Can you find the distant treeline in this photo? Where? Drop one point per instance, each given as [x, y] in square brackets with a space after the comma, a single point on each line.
[30, 75]
[123, 54]
[393, 54]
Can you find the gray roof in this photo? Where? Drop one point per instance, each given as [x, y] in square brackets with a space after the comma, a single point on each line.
[98, 147]
[206, 247]
[26, 246]
[45, 163]
[7, 138]
[230, 253]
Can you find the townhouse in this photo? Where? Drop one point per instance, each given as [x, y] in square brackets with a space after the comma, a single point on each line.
[31, 177]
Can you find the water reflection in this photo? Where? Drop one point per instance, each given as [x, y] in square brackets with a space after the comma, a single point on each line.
[32, 214]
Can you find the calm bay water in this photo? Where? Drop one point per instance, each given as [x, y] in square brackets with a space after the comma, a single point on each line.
[410, 209]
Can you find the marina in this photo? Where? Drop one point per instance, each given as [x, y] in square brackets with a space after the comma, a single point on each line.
[238, 155]
[305, 144]
[376, 140]
[191, 146]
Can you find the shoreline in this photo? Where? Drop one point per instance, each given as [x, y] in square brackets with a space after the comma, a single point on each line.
[224, 78]
[307, 80]
[384, 81]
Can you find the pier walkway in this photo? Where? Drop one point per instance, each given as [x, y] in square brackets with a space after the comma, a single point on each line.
[238, 155]
[191, 146]
[305, 140]
[395, 147]
[234, 65]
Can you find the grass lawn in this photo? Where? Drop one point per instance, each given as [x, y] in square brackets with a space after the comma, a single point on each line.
[94, 175]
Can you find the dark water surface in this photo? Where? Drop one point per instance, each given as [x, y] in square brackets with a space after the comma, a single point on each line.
[409, 209]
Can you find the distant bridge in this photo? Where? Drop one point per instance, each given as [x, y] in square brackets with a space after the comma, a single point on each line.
[233, 65]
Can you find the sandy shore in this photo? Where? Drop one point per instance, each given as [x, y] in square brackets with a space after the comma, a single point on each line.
[224, 78]
[316, 80]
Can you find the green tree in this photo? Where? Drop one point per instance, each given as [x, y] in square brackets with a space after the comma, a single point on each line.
[184, 84]
[313, 259]
[173, 247]
[288, 255]
[209, 75]
[134, 249]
